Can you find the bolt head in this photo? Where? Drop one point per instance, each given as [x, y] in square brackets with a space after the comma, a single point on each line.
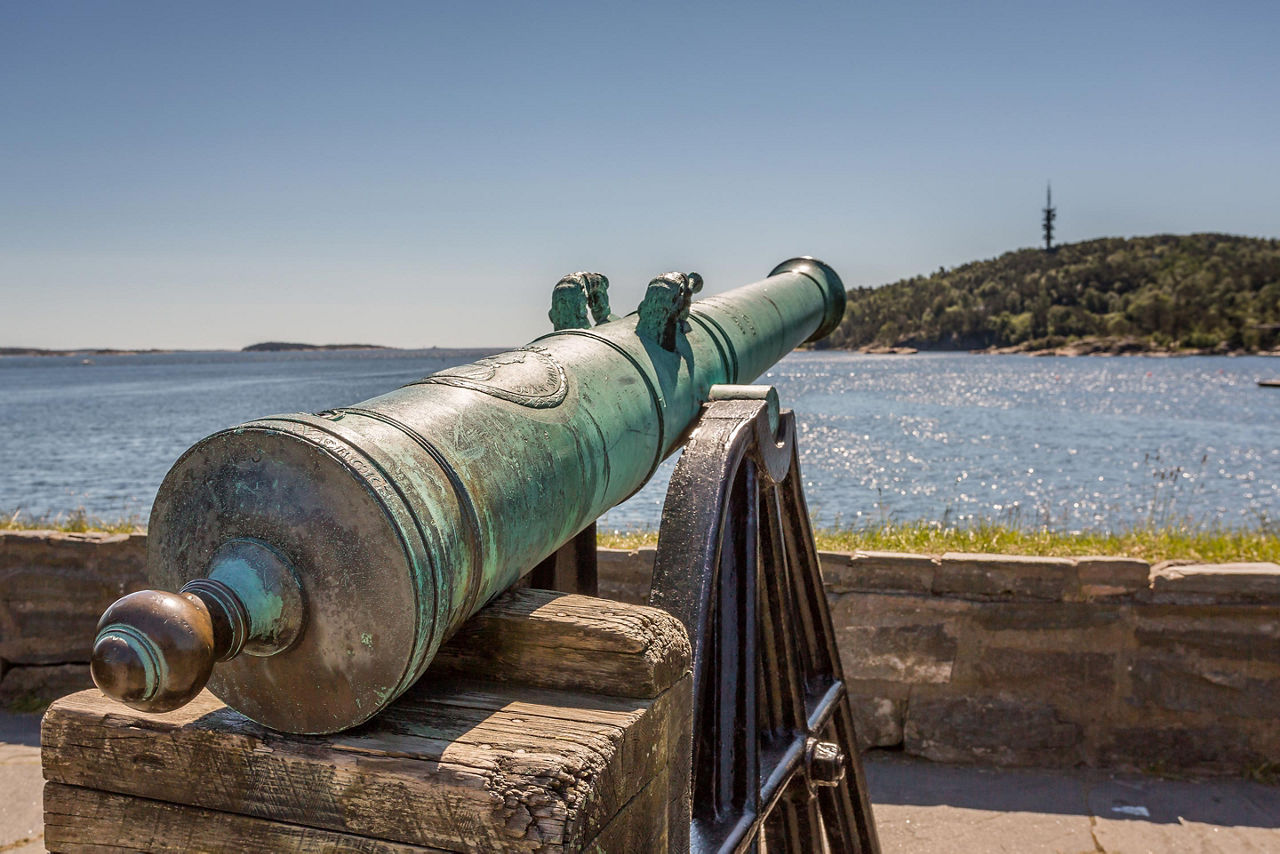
[825, 763]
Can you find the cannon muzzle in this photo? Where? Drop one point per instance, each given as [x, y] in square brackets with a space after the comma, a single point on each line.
[321, 559]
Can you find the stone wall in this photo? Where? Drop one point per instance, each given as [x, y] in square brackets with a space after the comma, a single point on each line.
[53, 588]
[1097, 661]
[992, 659]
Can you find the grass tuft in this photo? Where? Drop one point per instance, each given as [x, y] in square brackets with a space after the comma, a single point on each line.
[1266, 773]
[77, 521]
[28, 704]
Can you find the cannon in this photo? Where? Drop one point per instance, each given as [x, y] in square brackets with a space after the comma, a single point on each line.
[315, 562]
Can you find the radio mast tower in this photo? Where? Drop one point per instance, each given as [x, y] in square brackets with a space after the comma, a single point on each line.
[1050, 214]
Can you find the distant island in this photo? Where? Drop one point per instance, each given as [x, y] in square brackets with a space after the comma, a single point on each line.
[276, 346]
[79, 351]
[1165, 294]
[263, 347]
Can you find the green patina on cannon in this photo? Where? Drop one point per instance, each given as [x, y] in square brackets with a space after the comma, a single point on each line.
[322, 559]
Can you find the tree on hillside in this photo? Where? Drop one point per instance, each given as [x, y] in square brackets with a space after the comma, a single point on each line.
[1050, 214]
[1196, 291]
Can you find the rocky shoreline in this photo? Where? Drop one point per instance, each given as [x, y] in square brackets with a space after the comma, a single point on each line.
[1081, 347]
[83, 351]
[265, 347]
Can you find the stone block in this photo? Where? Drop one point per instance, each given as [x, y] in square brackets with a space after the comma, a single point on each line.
[1183, 684]
[845, 572]
[1069, 678]
[1241, 634]
[29, 688]
[1005, 577]
[1169, 747]
[989, 729]
[877, 720]
[912, 653]
[54, 586]
[888, 609]
[1219, 583]
[1044, 616]
[1105, 577]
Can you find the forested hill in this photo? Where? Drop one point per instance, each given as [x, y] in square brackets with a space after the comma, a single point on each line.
[1212, 292]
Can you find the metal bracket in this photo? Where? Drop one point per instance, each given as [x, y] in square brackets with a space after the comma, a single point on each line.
[774, 761]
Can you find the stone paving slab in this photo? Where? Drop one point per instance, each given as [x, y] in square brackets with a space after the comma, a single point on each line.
[919, 806]
[924, 807]
[21, 783]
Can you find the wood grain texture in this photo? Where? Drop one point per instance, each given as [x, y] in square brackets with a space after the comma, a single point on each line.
[633, 828]
[578, 643]
[455, 764]
[87, 821]
[521, 776]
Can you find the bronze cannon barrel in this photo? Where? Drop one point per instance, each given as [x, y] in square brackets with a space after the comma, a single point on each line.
[322, 558]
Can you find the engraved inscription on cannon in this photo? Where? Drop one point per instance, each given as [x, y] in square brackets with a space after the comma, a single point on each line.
[529, 376]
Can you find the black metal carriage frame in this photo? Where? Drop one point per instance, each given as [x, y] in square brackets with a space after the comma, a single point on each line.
[774, 763]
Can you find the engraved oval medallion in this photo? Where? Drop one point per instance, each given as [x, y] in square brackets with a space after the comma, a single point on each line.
[528, 376]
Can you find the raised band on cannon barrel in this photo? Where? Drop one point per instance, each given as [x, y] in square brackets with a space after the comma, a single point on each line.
[322, 559]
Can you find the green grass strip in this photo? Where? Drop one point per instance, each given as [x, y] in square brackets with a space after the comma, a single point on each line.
[1211, 545]
[76, 522]
[1259, 542]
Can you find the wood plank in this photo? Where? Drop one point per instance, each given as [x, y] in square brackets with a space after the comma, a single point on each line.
[87, 821]
[499, 767]
[634, 828]
[570, 642]
[500, 748]
[652, 744]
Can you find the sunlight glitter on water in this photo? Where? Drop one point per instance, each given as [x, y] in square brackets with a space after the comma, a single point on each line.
[1069, 443]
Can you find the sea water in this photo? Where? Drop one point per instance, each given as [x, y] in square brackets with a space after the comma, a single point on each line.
[1070, 443]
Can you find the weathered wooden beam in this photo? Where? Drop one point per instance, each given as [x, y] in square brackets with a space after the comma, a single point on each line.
[570, 723]
[77, 819]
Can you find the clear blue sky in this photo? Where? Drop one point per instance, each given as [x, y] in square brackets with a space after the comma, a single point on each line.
[415, 174]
